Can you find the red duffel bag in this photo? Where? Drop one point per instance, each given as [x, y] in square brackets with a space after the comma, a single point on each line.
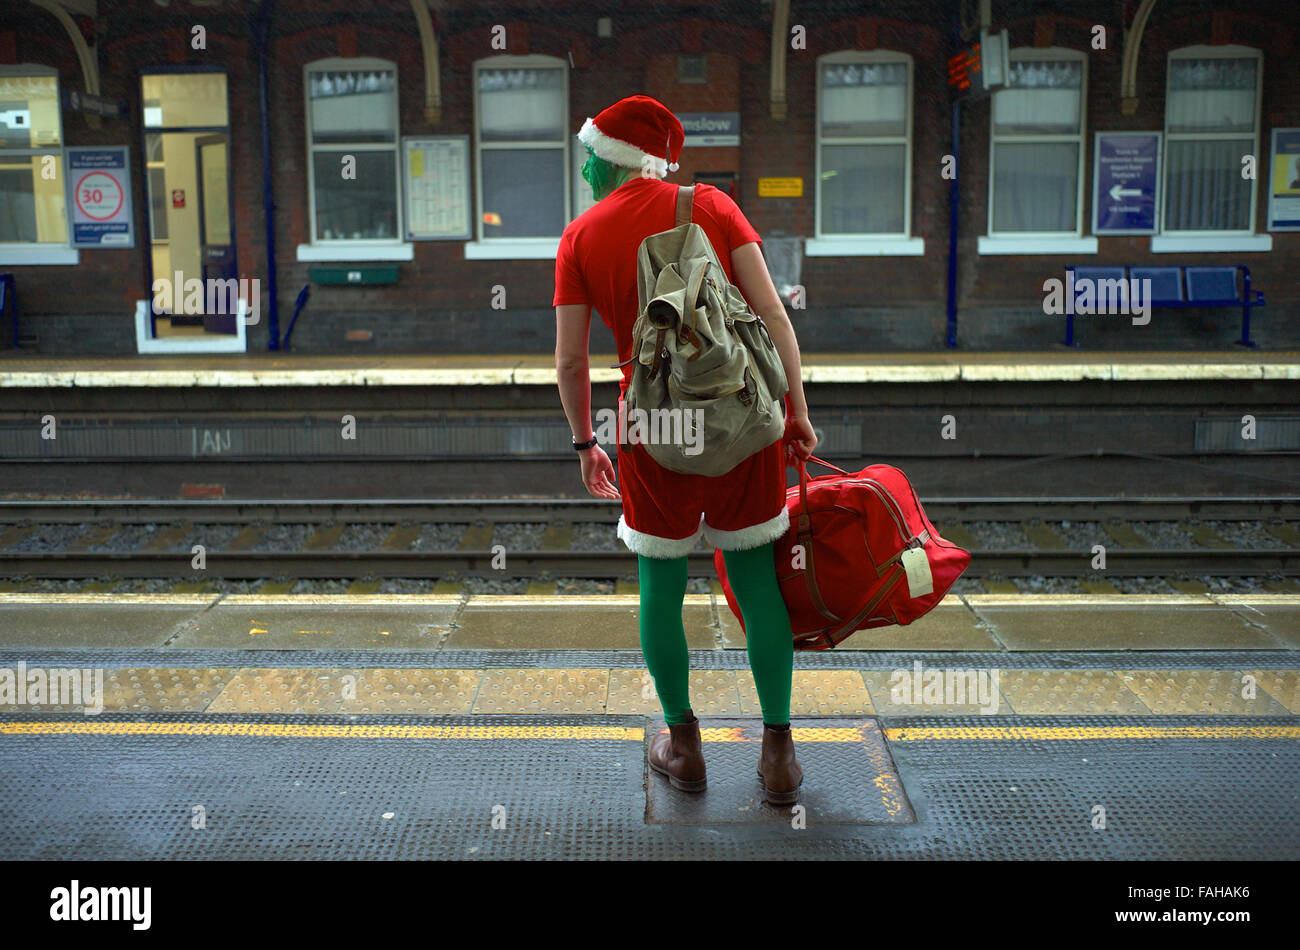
[869, 557]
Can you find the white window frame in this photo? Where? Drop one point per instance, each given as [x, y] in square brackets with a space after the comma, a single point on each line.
[1041, 242]
[518, 248]
[1247, 239]
[354, 249]
[35, 253]
[867, 244]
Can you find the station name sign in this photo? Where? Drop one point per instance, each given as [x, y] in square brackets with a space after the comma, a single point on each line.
[93, 105]
[710, 129]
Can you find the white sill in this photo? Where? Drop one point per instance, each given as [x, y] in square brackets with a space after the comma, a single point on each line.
[1038, 245]
[398, 251]
[1169, 244]
[24, 254]
[536, 249]
[864, 247]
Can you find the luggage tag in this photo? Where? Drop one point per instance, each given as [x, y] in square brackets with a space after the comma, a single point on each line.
[919, 579]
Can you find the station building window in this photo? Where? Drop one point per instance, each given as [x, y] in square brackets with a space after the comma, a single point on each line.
[864, 154]
[1036, 146]
[1212, 110]
[522, 156]
[33, 206]
[352, 161]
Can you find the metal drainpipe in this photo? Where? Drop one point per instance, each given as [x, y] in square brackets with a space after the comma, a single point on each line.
[954, 214]
[954, 199]
[261, 36]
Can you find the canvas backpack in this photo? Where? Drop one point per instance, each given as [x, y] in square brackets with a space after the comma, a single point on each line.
[707, 384]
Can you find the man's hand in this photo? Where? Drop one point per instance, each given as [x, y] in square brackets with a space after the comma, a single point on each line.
[799, 433]
[598, 473]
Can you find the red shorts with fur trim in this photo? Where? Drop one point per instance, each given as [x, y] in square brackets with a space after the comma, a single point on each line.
[666, 512]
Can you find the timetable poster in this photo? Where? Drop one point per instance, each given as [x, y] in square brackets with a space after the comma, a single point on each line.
[1284, 181]
[436, 175]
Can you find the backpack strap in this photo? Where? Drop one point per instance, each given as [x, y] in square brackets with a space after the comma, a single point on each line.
[685, 199]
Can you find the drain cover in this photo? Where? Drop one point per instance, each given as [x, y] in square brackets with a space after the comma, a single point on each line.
[849, 777]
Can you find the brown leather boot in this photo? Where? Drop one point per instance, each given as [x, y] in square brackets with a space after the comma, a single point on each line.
[779, 771]
[677, 754]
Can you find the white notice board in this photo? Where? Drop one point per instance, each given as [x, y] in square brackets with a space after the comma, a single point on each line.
[435, 176]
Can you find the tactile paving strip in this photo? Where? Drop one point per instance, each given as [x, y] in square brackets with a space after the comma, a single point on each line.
[164, 690]
[1199, 692]
[633, 659]
[1078, 692]
[283, 691]
[397, 787]
[814, 693]
[533, 691]
[849, 777]
[1282, 686]
[413, 691]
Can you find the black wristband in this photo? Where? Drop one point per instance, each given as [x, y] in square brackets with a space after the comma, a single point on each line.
[580, 446]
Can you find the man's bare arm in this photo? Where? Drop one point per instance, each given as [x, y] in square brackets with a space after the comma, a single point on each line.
[756, 284]
[572, 329]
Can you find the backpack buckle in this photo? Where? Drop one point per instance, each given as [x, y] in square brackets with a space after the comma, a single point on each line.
[691, 337]
[746, 396]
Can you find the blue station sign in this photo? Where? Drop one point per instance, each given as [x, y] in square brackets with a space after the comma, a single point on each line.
[1126, 183]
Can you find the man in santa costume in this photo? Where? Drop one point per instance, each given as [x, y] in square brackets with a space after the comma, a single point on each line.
[633, 145]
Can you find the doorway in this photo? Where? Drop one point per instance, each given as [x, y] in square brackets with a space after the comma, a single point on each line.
[190, 210]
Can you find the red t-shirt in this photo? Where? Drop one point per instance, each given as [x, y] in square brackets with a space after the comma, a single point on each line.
[596, 262]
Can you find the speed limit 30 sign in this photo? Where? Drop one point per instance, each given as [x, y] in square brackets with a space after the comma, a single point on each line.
[99, 196]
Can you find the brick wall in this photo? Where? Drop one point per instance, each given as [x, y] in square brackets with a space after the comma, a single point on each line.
[442, 301]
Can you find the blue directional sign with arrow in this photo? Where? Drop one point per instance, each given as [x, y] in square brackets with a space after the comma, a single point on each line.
[1126, 183]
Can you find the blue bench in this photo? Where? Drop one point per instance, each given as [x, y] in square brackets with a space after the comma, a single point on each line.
[1182, 286]
[9, 304]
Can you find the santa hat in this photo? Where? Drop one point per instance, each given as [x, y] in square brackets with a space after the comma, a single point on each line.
[636, 132]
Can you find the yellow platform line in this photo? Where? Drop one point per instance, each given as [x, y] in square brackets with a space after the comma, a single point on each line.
[320, 731]
[332, 731]
[629, 733]
[997, 733]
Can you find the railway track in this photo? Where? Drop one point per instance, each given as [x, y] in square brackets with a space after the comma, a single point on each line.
[387, 538]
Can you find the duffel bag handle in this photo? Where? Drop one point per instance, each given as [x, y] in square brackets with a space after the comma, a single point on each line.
[792, 458]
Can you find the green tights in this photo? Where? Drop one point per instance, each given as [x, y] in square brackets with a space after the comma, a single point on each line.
[767, 628]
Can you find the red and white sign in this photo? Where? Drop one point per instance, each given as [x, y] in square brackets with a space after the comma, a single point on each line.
[98, 180]
[99, 195]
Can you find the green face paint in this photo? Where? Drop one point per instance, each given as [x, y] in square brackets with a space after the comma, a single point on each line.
[588, 168]
[603, 176]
